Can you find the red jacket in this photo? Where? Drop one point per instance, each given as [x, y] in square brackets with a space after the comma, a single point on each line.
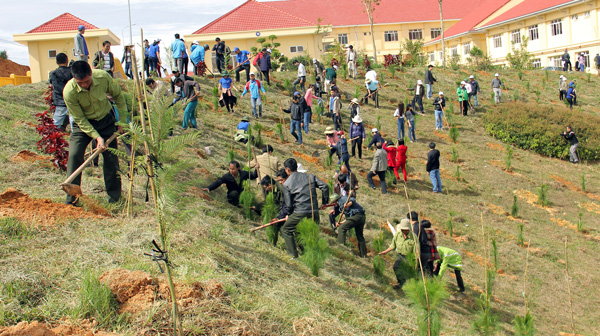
[391, 155]
[401, 154]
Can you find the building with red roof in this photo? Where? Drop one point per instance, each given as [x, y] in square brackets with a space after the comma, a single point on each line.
[47, 40]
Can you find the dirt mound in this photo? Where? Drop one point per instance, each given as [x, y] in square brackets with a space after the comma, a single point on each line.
[28, 156]
[8, 67]
[44, 212]
[35, 328]
[137, 291]
[495, 146]
[307, 158]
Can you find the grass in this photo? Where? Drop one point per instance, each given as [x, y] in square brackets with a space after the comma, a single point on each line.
[276, 296]
[97, 301]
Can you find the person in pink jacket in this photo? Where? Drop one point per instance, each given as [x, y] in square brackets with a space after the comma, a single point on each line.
[401, 159]
[308, 97]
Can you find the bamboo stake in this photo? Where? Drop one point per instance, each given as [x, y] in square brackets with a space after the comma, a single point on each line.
[129, 208]
[162, 233]
[569, 284]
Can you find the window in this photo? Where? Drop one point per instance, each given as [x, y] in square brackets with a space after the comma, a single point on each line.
[586, 15]
[343, 38]
[432, 57]
[391, 36]
[556, 61]
[52, 53]
[294, 49]
[467, 49]
[515, 36]
[415, 34]
[497, 41]
[365, 34]
[440, 55]
[454, 51]
[533, 33]
[575, 17]
[435, 32]
[537, 63]
[556, 27]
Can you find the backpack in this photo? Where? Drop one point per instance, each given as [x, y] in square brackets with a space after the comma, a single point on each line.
[248, 85]
[427, 241]
[257, 58]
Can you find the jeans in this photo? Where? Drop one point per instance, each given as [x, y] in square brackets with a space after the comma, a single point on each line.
[475, 100]
[300, 80]
[179, 64]
[189, 115]
[573, 153]
[240, 69]
[153, 63]
[400, 122]
[345, 159]
[61, 113]
[358, 223]
[429, 90]
[381, 175]
[497, 95]
[570, 100]
[439, 116]
[128, 70]
[256, 102]
[307, 118]
[295, 125]
[337, 121]
[581, 67]
[434, 175]
[411, 131]
[418, 100]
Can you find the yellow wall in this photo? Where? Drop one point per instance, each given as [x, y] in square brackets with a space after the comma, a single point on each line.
[15, 80]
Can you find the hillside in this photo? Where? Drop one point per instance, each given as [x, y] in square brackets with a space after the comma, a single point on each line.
[251, 288]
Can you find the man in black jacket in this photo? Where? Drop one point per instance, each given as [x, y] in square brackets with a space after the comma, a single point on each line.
[433, 168]
[570, 135]
[474, 90]
[300, 196]
[270, 185]
[376, 138]
[429, 80]
[58, 78]
[297, 113]
[234, 181]
[219, 49]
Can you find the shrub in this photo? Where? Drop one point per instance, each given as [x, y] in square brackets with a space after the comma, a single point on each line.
[53, 140]
[529, 127]
[3, 54]
[316, 249]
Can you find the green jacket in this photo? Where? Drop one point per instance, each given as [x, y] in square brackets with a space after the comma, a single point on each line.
[462, 94]
[92, 104]
[403, 245]
[449, 258]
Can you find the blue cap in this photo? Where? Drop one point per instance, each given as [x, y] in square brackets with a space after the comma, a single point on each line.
[296, 93]
[236, 49]
[81, 27]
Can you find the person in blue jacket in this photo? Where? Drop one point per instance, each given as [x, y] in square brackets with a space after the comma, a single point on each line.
[243, 61]
[254, 87]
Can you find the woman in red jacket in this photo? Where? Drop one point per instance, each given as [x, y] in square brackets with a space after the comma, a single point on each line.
[400, 159]
[391, 158]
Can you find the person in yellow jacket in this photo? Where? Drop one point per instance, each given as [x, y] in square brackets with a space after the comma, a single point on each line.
[449, 259]
[404, 244]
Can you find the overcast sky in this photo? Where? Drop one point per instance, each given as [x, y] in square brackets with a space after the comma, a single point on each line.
[159, 18]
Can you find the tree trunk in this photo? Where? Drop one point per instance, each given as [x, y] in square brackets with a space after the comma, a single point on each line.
[373, 39]
[443, 43]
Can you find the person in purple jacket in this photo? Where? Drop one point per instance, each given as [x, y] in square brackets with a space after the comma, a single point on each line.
[357, 135]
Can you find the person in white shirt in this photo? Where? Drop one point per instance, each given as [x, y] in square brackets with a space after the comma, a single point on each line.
[351, 58]
[301, 76]
[371, 74]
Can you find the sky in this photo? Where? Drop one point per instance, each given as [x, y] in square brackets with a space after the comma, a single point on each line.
[159, 19]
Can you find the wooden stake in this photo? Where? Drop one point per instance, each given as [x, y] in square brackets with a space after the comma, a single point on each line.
[569, 284]
[129, 208]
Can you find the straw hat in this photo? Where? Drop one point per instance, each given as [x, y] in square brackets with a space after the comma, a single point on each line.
[301, 169]
[404, 225]
[329, 130]
[368, 80]
[357, 120]
[354, 101]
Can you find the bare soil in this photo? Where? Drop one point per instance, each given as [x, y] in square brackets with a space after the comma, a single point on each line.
[8, 67]
[35, 328]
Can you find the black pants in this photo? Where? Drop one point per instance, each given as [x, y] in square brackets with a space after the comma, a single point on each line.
[418, 100]
[427, 265]
[465, 107]
[333, 150]
[332, 217]
[266, 76]
[567, 66]
[381, 175]
[562, 94]
[229, 101]
[78, 143]
[185, 61]
[459, 279]
[570, 100]
[221, 63]
[375, 98]
[240, 69]
[358, 223]
[400, 266]
[233, 197]
[357, 142]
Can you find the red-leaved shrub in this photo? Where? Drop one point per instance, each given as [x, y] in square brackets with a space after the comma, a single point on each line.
[53, 140]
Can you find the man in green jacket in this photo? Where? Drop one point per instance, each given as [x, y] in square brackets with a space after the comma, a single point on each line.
[87, 98]
[463, 97]
[449, 259]
[404, 244]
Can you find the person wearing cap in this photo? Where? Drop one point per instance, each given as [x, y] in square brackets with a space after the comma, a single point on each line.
[354, 108]
[475, 89]
[355, 219]
[254, 87]
[301, 75]
[372, 86]
[497, 88]
[190, 92]
[378, 167]
[571, 95]
[376, 138]
[178, 49]
[296, 112]
[563, 86]
[342, 149]
[463, 98]
[351, 59]
[243, 63]
[433, 168]
[357, 135]
[256, 62]
[449, 259]
[154, 57]
[265, 64]
[404, 244]
[241, 133]
[570, 136]
[197, 56]
[300, 196]
[419, 93]
[330, 77]
[332, 138]
[219, 49]
[234, 181]
[372, 74]
[268, 163]
[227, 96]
[439, 105]
[319, 68]
[429, 80]
[81, 49]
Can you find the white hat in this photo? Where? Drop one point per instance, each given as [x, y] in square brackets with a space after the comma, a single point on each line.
[314, 60]
[335, 67]
[357, 119]
[269, 50]
[441, 93]
[354, 100]
[419, 82]
[561, 76]
[346, 45]
[471, 76]
[252, 73]
[496, 75]
[374, 130]
[463, 83]
[301, 169]
[195, 42]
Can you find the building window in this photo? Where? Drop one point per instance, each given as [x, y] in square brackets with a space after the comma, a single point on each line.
[515, 36]
[467, 49]
[454, 51]
[365, 34]
[556, 27]
[391, 36]
[432, 57]
[497, 41]
[435, 32]
[415, 34]
[533, 33]
[537, 63]
[52, 53]
[294, 49]
[586, 14]
[575, 17]
[440, 55]
[343, 38]
[556, 61]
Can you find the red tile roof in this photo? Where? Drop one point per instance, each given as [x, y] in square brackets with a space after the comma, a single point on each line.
[254, 15]
[64, 22]
[528, 7]
[473, 18]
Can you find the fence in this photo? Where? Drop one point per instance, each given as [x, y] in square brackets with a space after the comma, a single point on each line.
[16, 80]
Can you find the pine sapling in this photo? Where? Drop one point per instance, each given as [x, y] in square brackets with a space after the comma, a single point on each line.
[356, 93]
[495, 253]
[515, 96]
[247, 199]
[520, 74]
[428, 300]
[514, 210]
[520, 238]
[527, 86]
[579, 222]
[537, 96]
[316, 248]
[230, 155]
[279, 131]
[215, 97]
[524, 325]
[258, 142]
[378, 123]
[508, 158]
[589, 77]
[457, 174]
[455, 157]
[378, 262]
[328, 160]
[543, 195]
[583, 182]
[450, 223]
[546, 75]
[453, 133]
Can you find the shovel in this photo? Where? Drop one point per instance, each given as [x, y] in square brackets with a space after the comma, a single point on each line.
[73, 189]
[318, 152]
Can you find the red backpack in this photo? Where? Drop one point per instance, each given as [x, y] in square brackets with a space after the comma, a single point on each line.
[258, 57]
